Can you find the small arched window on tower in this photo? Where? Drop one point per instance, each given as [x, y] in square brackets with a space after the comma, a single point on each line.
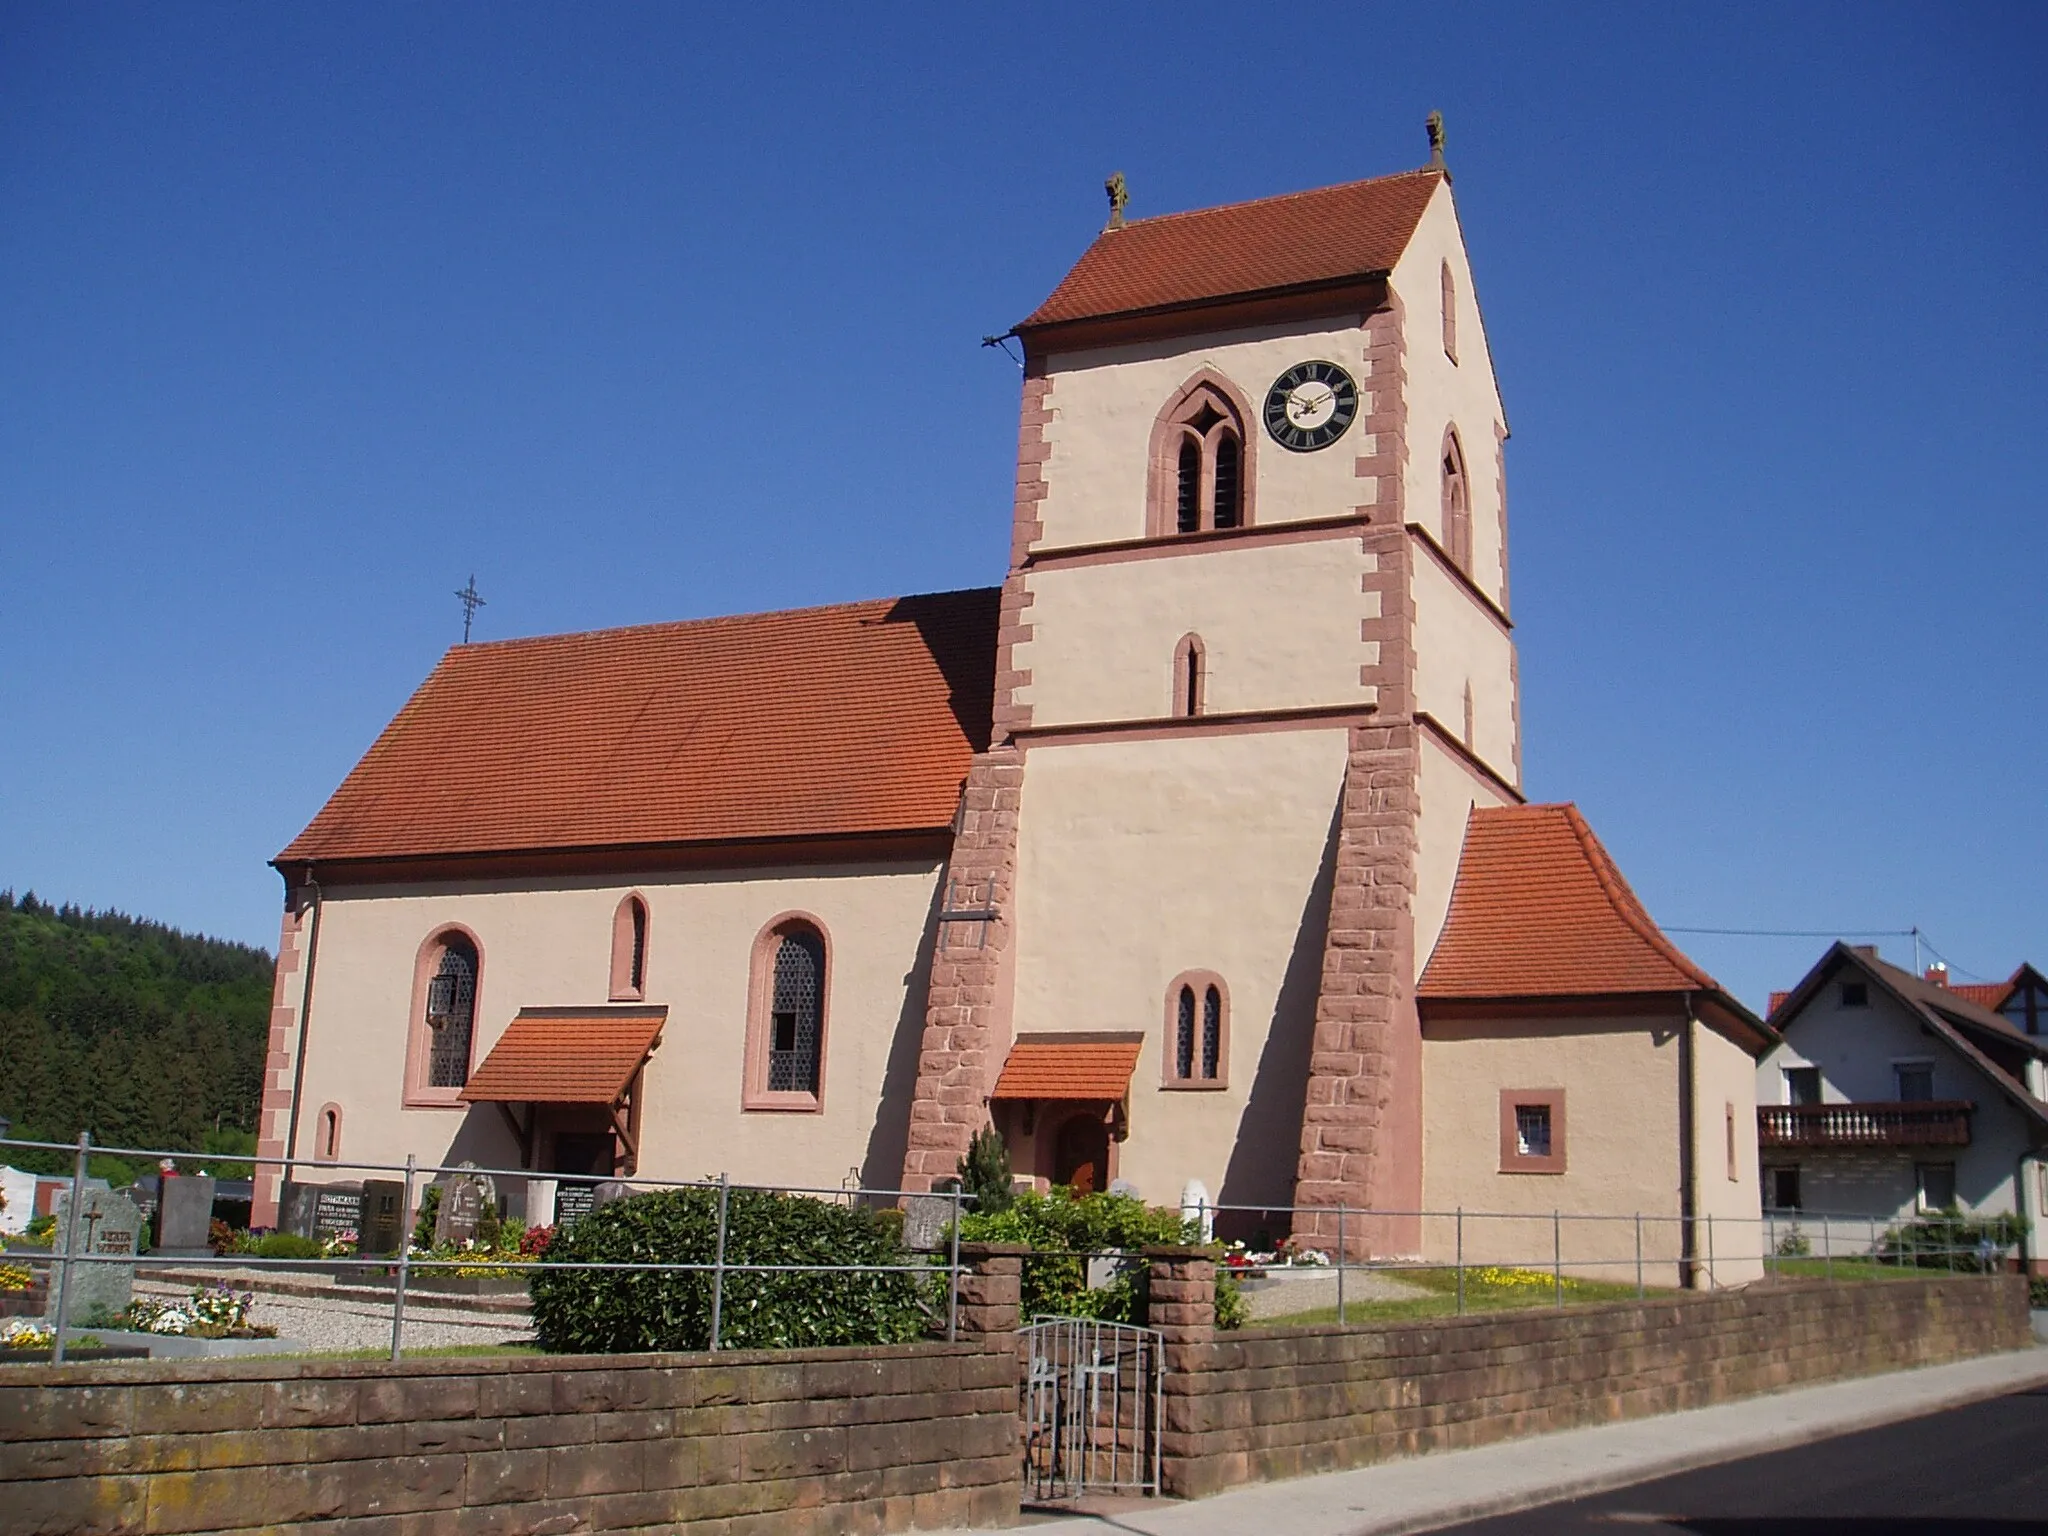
[1198, 1031]
[1450, 314]
[1457, 507]
[328, 1148]
[1201, 462]
[1189, 681]
[629, 951]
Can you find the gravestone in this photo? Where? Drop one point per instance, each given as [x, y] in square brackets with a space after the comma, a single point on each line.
[925, 1219]
[185, 1215]
[337, 1211]
[572, 1203]
[384, 1214]
[460, 1211]
[108, 1224]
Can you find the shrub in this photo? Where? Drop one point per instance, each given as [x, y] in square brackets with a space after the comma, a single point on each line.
[985, 1171]
[1065, 1228]
[2037, 1291]
[41, 1229]
[1951, 1240]
[282, 1245]
[598, 1311]
[1794, 1245]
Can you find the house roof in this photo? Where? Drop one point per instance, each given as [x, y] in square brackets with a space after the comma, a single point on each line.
[566, 1056]
[1973, 1031]
[1078, 1066]
[1301, 239]
[817, 722]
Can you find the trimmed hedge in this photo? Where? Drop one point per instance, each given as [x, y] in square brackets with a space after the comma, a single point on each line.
[597, 1311]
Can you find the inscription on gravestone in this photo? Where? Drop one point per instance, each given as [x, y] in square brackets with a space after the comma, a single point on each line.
[109, 1225]
[337, 1210]
[573, 1202]
[460, 1211]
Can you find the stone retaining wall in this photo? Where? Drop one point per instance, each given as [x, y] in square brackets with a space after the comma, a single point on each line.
[826, 1441]
[1269, 1403]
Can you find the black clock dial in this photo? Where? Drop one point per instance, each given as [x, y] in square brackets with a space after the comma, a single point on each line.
[1310, 406]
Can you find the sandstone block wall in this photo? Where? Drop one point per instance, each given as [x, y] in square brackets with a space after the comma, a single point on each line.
[822, 1441]
[1283, 1402]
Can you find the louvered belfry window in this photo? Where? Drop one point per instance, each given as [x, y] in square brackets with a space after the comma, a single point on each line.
[1184, 1044]
[451, 1011]
[1228, 459]
[1188, 503]
[793, 1016]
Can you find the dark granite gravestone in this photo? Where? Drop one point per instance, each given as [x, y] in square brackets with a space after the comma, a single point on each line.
[108, 1224]
[184, 1216]
[460, 1211]
[337, 1211]
[573, 1202]
[384, 1216]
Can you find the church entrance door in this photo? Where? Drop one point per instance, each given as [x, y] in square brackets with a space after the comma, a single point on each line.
[1081, 1158]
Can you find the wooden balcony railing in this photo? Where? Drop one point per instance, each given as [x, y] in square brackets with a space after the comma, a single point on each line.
[1929, 1123]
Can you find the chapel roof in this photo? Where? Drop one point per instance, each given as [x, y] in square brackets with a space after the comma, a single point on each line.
[831, 722]
[1297, 240]
[1539, 910]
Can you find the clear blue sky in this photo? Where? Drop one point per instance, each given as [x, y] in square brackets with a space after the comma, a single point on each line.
[648, 312]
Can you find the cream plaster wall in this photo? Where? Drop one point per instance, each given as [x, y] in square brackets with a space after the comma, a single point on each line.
[1279, 625]
[1457, 642]
[1140, 860]
[552, 948]
[1724, 1074]
[1104, 403]
[1620, 1079]
[1449, 792]
[1441, 392]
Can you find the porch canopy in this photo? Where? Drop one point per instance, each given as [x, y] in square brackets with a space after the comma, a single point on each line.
[1079, 1066]
[581, 1056]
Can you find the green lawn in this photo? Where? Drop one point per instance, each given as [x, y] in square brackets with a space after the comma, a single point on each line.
[1486, 1290]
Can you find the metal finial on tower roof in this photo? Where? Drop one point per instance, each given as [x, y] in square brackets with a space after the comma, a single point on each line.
[471, 601]
[1435, 124]
[1119, 195]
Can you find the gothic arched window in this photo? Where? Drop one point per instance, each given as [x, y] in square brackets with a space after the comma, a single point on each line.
[1201, 461]
[1197, 1031]
[451, 1013]
[787, 1017]
[1457, 506]
[1189, 682]
[629, 951]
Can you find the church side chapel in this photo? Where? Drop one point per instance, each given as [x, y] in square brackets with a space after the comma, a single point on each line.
[1140, 856]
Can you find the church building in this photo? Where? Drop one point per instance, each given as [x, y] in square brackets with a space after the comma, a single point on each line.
[1140, 856]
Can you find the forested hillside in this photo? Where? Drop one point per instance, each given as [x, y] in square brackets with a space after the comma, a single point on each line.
[140, 1034]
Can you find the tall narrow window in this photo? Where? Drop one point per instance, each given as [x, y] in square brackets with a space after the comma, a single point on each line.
[451, 1011]
[1189, 683]
[1457, 506]
[1188, 503]
[629, 951]
[793, 1014]
[1197, 1045]
[1450, 314]
[1201, 475]
[1228, 457]
[330, 1133]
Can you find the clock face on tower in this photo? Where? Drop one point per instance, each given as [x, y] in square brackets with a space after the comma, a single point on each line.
[1310, 406]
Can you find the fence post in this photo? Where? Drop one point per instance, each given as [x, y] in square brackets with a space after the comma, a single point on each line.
[404, 1259]
[1639, 1255]
[1827, 1247]
[1340, 1265]
[1557, 1257]
[718, 1261]
[953, 1275]
[1461, 1261]
[70, 1246]
[1712, 1282]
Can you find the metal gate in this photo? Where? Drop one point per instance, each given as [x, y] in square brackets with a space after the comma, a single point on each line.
[1091, 1409]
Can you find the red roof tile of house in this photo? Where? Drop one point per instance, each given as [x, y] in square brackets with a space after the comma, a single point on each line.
[562, 1056]
[1539, 910]
[1359, 229]
[818, 722]
[1985, 994]
[1069, 1067]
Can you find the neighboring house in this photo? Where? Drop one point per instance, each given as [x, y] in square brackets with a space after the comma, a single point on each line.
[1137, 856]
[1575, 1060]
[1895, 1095]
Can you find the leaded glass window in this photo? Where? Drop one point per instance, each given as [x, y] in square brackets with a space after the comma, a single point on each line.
[794, 1012]
[451, 1014]
[1184, 1044]
[1212, 1032]
[638, 975]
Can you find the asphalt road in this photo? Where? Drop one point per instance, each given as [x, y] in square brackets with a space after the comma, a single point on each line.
[1981, 1470]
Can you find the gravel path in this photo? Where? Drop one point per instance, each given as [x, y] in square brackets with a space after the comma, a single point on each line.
[1305, 1293]
[341, 1323]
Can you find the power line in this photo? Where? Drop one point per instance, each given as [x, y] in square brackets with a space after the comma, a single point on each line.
[1800, 933]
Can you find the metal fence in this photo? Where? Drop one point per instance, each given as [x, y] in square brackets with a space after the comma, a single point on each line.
[404, 1266]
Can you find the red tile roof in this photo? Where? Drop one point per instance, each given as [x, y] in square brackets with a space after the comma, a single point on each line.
[1539, 910]
[835, 721]
[1303, 238]
[1985, 994]
[1069, 1067]
[562, 1056]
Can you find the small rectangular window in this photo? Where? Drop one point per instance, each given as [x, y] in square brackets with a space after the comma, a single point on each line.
[784, 1033]
[1532, 1130]
[1782, 1189]
[1802, 1085]
[1935, 1186]
[1915, 1080]
[1855, 994]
